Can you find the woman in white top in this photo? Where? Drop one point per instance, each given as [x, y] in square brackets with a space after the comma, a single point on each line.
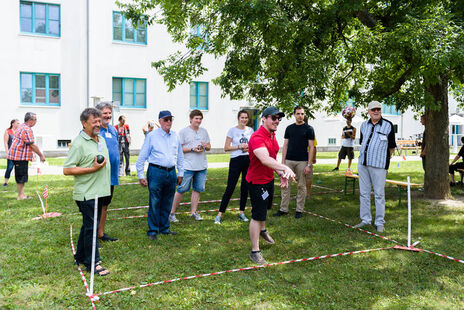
[237, 142]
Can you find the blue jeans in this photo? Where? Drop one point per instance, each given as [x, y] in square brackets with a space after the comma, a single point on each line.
[161, 188]
[198, 178]
[9, 168]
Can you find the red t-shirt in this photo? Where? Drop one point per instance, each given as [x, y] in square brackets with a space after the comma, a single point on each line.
[257, 172]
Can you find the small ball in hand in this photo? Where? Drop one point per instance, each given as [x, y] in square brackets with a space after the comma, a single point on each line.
[100, 158]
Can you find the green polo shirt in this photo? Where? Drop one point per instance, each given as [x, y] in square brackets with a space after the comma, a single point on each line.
[82, 154]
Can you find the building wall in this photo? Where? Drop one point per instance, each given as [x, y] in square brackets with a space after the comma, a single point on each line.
[66, 55]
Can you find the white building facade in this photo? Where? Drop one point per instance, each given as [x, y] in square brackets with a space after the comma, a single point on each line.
[53, 66]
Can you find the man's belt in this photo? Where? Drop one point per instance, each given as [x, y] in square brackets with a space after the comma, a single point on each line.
[162, 168]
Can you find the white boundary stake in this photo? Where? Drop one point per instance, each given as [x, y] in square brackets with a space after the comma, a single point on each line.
[41, 202]
[409, 212]
[94, 245]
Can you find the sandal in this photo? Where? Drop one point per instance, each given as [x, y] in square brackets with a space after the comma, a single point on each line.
[99, 271]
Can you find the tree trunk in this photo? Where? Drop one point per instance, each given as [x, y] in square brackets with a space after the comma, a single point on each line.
[436, 183]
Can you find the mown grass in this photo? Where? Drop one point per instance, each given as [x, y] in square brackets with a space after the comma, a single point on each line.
[37, 271]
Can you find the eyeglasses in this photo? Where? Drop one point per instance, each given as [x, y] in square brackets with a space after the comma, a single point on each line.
[376, 109]
[276, 117]
[167, 119]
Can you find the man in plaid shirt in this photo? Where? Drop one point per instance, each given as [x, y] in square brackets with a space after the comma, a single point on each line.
[21, 152]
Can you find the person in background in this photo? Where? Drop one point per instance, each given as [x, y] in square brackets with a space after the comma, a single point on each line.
[110, 134]
[424, 143]
[8, 140]
[347, 149]
[195, 142]
[149, 126]
[298, 154]
[454, 166]
[163, 151]
[237, 143]
[21, 150]
[377, 146]
[91, 180]
[124, 142]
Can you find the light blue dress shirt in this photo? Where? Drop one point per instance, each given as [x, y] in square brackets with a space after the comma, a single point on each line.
[163, 149]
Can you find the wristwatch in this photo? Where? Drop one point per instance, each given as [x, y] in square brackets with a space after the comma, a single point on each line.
[310, 165]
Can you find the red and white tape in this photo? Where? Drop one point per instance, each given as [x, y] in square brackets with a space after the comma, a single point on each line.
[186, 212]
[242, 269]
[134, 183]
[350, 226]
[444, 256]
[92, 298]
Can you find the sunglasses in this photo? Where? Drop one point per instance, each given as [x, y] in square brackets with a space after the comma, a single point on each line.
[376, 109]
[167, 119]
[276, 117]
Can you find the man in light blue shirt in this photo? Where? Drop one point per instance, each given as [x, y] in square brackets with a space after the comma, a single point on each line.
[163, 151]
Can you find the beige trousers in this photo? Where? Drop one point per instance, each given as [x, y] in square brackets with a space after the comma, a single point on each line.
[298, 168]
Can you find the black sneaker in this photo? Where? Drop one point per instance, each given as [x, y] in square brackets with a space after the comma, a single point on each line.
[335, 169]
[298, 215]
[280, 213]
[105, 237]
[266, 237]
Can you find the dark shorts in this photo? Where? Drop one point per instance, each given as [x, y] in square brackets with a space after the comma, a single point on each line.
[346, 151]
[261, 196]
[21, 170]
[455, 167]
[107, 199]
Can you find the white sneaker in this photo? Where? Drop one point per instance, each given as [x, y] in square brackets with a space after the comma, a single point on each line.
[217, 220]
[362, 224]
[242, 217]
[196, 217]
[172, 218]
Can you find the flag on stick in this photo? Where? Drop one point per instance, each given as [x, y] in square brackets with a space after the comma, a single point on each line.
[45, 192]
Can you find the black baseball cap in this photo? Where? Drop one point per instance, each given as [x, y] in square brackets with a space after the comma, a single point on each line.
[272, 111]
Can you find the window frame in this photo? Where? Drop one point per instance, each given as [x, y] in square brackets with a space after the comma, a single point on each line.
[34, 88]
[197, 96]
[387, 109]
[134, 93]
[47, 18]
[123, 30]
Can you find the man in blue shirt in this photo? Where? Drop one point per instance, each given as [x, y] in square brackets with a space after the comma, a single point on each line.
[377, 146]
[111, 138]
[163, 151]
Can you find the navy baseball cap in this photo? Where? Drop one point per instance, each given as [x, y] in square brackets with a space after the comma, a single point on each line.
[272, 111]
[164, 114]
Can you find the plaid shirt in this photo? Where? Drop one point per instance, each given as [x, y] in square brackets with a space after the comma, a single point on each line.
[20, 148]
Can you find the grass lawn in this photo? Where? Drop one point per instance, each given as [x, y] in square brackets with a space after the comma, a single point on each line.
[37, 271]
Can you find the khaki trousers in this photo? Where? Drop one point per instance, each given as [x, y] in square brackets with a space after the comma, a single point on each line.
[298, 168]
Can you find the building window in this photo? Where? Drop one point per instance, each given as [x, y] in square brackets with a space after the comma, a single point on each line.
[199, 95]
[63, 143]
[131, 93]
[389, 109]
[332, 141]
[123, 30]
[200, 32]
[40, 18]
[40, 89]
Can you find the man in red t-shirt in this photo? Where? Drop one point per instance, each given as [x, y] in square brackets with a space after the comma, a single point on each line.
[263, 149]
[124, 140]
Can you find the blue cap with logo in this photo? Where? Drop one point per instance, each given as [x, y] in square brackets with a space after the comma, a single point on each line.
[163, 114]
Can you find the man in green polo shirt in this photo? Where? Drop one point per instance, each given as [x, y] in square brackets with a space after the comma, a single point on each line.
[91, 179]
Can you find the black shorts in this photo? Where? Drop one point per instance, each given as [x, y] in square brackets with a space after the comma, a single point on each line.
[107, 199]
[261, 196]
[346, 151]
[21, 171]
[455, 167]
